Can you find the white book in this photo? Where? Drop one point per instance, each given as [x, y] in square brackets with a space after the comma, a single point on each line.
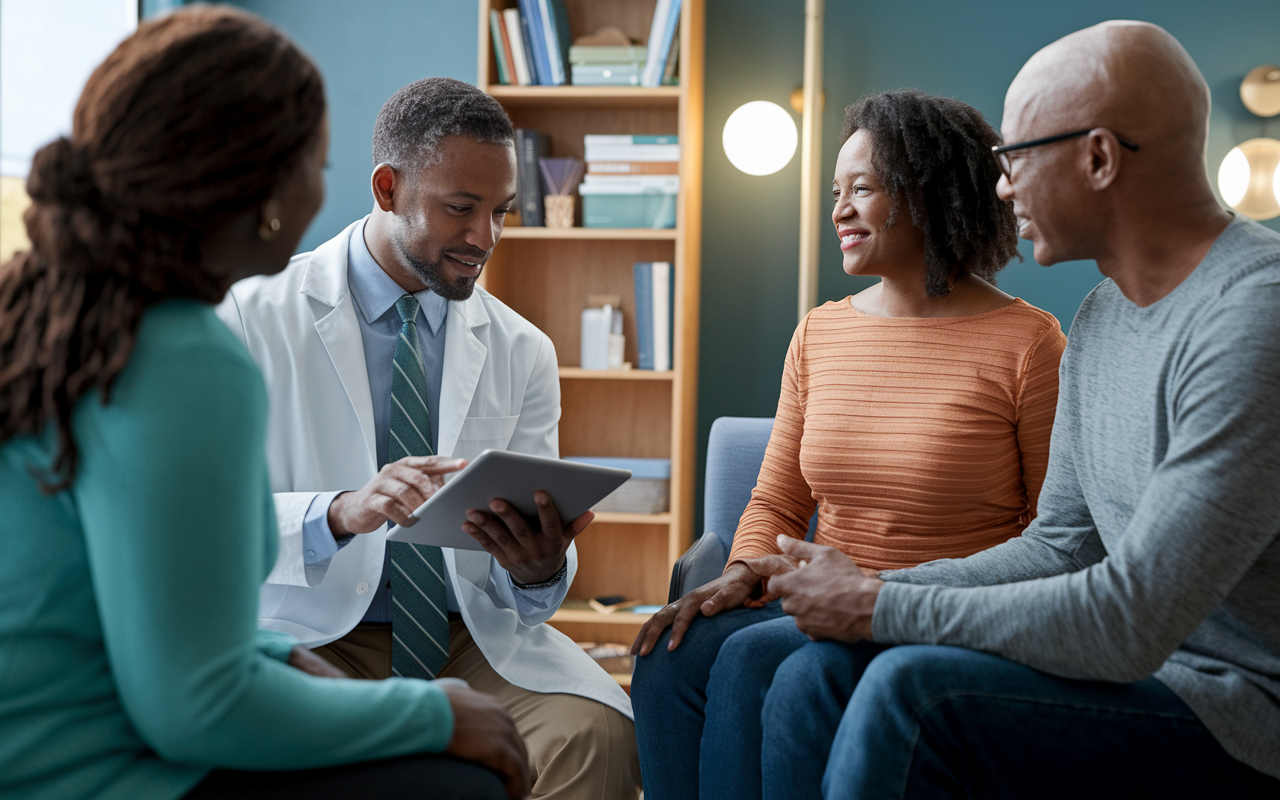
[631, 184]
[654, 61]
[511, 17]
[622, 140]
[632, 152]
[661, 316]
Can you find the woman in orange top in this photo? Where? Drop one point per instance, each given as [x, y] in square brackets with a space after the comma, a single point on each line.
[916, 414]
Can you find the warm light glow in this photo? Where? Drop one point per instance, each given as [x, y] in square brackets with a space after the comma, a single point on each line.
[760, 138]
[1249, 178]
[1233, 177]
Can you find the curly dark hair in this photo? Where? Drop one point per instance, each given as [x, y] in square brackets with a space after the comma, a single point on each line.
[193, 120]
[412, 123]
[933, 154]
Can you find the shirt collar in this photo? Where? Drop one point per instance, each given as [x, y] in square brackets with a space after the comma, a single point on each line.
[376, 293]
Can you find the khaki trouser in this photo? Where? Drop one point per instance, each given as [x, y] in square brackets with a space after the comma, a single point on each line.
[579, 749]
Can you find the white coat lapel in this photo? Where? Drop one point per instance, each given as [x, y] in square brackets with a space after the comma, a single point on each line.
[464, 356]
[339, 330]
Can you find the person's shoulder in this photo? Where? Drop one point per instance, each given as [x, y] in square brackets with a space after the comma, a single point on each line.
[1249, 256]
[320, 271]
[1034, 319]
[182, 349]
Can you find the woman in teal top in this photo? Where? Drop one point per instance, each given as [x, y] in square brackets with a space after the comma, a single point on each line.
[138, 520]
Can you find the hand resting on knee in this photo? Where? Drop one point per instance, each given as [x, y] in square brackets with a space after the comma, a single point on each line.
[731, 590]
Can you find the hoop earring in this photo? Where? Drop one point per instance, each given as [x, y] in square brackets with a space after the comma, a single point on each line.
[268, 230]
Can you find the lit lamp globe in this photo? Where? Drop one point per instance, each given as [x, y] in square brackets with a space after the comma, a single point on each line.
[760, 138]
[1249, 178]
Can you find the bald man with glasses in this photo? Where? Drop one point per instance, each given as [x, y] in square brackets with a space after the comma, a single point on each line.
[1128, 643]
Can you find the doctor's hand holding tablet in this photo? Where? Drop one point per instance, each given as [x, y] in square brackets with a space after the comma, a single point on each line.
[489, 506]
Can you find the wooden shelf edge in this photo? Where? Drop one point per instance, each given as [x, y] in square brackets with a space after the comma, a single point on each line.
[623, 679]
[578, 373]
[596, 234]
[620, 518]
[616, 618]
[585, 95]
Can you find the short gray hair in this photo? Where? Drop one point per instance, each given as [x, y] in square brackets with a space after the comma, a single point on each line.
[412, 123]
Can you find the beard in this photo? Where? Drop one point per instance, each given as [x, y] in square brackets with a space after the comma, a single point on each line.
[433, 275]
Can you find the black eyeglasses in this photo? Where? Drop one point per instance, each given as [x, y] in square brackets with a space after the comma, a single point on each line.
[1001, 151]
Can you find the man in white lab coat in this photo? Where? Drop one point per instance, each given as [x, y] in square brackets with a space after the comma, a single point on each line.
[382, 329]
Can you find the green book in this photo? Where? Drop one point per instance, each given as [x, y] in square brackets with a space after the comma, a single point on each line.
[612, 54]
[499, 51]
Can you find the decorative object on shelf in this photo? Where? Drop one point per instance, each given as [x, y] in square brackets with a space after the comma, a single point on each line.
[560, 177]
[603, 344]
[647, 491]
[1249, 177]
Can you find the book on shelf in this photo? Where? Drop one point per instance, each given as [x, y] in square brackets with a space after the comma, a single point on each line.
[630, 148]
[666, 18]
[631, 184]
[655, 287]
[531, 145]
[669, 77]
[515, 40]
[500, 50]
[535, 46]
[545, 24]
[607, 54]
[633, 167]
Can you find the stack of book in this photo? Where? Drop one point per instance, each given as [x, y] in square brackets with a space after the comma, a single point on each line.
[606, 65]
[631, 181]
[655, 287]
[531, 43]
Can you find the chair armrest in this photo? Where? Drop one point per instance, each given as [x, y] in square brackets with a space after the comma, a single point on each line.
[701, 563]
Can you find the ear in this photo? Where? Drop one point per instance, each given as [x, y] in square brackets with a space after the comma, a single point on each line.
[1103, 155]
[385, 182]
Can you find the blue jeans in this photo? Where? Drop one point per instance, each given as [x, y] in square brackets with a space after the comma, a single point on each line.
[926, 721]
[697, 710]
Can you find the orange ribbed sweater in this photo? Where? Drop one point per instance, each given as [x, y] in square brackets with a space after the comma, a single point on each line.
[919, 438]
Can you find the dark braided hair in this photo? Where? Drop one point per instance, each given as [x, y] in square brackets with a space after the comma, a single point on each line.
[933, 155]
[191, 122]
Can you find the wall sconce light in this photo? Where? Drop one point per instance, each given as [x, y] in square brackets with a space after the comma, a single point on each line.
[1249, 177]
[760, 138]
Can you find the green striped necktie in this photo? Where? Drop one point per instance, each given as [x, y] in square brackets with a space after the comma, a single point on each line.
[419, 619]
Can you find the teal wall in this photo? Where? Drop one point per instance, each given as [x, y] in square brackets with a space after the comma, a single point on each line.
[754, 52]
[367, 50]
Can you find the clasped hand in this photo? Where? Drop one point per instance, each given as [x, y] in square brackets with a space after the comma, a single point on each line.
[829, 596]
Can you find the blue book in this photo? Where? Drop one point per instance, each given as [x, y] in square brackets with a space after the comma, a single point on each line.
[643, 274]
[531, 23]
[562, 39]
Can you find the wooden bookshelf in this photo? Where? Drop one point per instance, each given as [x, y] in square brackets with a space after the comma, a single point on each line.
[546, 274]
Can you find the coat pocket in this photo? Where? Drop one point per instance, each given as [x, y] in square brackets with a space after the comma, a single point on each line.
[482, 433]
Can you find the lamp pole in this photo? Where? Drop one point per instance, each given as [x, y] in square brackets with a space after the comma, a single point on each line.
[811, 156]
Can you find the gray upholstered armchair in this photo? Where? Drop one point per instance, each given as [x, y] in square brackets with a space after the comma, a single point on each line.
[735, 451]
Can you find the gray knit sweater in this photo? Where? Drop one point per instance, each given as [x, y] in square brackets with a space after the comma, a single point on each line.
[1156, 549]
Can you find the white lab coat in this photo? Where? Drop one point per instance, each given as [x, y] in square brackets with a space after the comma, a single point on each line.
[500, 390]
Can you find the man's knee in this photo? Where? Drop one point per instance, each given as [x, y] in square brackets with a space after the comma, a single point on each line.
[909, 676]
[584, 747]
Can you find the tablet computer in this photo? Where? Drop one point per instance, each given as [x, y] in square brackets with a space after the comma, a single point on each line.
[514, 477]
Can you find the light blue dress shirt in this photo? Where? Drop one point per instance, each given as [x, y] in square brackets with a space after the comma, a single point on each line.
[375, 295]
